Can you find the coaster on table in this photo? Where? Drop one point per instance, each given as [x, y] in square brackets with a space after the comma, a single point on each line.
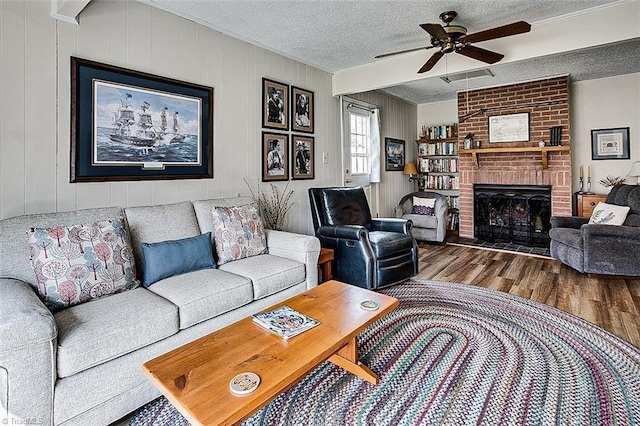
[244, 383]
[369, 305]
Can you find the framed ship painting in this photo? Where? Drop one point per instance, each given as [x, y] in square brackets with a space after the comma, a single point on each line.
[130, 125]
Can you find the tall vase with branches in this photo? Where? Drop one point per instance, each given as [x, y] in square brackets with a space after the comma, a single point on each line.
[274, 206]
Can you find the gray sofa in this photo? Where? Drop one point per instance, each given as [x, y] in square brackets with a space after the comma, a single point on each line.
[601, 249]
[425, 227]
[82, 365]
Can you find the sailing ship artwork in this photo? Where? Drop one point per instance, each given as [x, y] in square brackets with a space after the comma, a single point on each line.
[137, 126]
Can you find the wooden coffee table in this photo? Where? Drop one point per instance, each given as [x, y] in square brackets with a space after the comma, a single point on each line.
[195, 377]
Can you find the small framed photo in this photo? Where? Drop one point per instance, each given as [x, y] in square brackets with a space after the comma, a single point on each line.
[302, 110]
[302, 157]
[610, 144]
[275, 105]
[275, 157]
[393, 154]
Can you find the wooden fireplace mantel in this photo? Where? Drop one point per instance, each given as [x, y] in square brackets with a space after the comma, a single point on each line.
[543, 150]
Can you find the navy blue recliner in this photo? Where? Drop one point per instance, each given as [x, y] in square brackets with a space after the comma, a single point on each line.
[368, 252]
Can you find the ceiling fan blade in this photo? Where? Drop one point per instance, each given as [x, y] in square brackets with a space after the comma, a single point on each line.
[403, 51]
[480, 54]
[435, 30]
[431, 62]
[498, 32]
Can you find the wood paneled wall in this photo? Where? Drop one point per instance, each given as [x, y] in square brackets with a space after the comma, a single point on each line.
[35, 53]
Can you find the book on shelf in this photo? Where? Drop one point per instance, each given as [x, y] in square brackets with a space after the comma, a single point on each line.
[284, 321]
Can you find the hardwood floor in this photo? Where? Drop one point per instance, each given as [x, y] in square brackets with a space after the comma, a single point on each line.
[611, 303]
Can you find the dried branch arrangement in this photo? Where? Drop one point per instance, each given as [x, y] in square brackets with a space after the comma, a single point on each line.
[612, 181]
[275, 206]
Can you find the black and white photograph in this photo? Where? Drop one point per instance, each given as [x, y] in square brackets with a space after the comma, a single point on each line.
[130, 125]
[393, 154]
[302, 110]
[275, 157]
[303, 158]
[275, 105]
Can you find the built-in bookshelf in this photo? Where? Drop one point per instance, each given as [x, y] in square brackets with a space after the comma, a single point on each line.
[437, 165]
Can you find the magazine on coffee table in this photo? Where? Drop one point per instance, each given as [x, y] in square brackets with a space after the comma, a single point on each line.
[284, 321]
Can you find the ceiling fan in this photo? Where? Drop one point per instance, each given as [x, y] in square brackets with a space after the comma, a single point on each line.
[454, 38]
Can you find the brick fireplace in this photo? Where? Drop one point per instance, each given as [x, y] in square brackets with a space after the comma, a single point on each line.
[547, 102]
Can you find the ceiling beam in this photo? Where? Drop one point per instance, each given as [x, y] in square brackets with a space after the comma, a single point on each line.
[67, 10]
[595, 27]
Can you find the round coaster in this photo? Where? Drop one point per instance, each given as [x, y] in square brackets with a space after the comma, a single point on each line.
[244, 383]
[369, 305]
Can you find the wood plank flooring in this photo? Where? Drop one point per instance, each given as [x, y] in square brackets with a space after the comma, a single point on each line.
[611, 303]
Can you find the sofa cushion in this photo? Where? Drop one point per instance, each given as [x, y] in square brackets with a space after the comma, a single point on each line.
[238, 232]
[95, 332]
[77, 263]
[609, 214]
[204, 294]
[269, 274]
[168, 258]
[14, 252]
[568, 236]
[152, 224]
[386, 244]
[421, 220]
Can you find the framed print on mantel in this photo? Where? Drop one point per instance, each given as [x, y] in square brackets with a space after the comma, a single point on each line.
[130, 125]
[509, 128]
[302, 118]
[275, 157]
[610, 144]
[275, 105]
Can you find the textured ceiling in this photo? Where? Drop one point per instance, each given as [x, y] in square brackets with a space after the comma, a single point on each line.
[337, 34]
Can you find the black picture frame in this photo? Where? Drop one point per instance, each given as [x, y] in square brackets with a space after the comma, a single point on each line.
[394, 154]
[610, 144]
[302, 110]
[275, 167]
[509, 128]
[302, 157]
[117, 120]
[275, 111]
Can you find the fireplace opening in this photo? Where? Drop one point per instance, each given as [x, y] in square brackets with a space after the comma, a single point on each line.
[518, 214]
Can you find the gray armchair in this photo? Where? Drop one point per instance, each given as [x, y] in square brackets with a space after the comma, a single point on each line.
[425, 227]
[601, 249]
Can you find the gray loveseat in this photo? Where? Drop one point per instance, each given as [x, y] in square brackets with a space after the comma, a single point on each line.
[601, 249]
[82, 365]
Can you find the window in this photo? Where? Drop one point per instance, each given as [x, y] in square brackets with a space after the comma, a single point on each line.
[360, 143]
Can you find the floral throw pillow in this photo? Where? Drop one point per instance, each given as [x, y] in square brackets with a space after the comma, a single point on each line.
[238, 232]
[609, 214]
[75, 264]
[424, 206]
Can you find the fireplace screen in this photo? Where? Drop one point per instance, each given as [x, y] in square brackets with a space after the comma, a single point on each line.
[518, 214]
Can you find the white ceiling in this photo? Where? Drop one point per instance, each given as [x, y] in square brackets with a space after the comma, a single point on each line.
[335, 35]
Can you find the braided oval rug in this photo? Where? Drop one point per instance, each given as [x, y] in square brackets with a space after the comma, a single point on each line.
[455, 354]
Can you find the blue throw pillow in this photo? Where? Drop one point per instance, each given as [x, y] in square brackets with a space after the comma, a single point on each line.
[168, 258]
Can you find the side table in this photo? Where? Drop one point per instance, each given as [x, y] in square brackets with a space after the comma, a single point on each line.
[324, 262]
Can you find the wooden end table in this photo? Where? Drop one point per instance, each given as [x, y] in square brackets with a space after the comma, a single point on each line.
[324, 261]
[196, 376]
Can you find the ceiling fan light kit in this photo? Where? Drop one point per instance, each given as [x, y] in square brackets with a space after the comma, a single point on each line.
[454, 38]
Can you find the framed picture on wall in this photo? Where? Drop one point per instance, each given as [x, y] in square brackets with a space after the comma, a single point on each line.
[302, 118]
[393, 154]
[302, 157]
[610, 144]
[275, 157]
[130, 125]
[509, 128]
[275, 105]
